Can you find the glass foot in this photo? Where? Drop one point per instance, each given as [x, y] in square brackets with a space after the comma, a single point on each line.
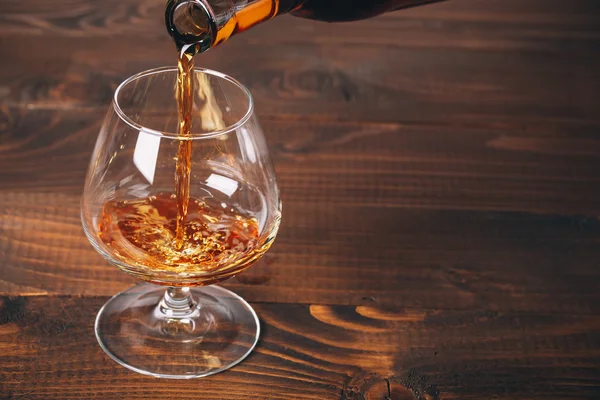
[205, 331]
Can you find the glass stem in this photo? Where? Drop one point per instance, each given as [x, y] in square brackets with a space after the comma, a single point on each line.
[178, 303]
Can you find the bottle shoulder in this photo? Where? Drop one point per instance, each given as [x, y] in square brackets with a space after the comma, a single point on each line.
[353, 10]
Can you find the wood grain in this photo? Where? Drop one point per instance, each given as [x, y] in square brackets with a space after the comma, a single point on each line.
[322, 352]
[439, 169]
[367, 207]
[449, 63]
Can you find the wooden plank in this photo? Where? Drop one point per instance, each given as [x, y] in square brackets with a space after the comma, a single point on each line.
[543, 171]
[460, 63]
[403, 215]
[510, 18]
[434, 259]
[318, 352]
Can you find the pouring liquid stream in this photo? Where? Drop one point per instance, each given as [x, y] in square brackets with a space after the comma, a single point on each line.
[185, 108]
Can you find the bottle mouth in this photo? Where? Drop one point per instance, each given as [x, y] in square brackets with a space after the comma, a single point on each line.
[191, 25]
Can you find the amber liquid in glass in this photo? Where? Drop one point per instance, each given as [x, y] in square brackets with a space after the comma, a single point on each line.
[217, 238]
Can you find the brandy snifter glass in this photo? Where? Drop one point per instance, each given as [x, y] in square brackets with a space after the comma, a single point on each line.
[178, 324]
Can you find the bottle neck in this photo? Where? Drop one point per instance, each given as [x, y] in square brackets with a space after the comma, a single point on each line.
[248, 13]
[198, 25]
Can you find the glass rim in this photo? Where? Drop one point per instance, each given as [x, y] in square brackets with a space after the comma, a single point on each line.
[125, 118]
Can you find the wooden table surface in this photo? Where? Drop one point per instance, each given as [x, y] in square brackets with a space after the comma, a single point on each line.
[440, 172]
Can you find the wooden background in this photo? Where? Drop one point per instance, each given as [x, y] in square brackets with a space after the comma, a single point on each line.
[440, 170]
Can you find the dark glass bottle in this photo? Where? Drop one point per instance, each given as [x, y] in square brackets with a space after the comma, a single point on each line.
[198, 25]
